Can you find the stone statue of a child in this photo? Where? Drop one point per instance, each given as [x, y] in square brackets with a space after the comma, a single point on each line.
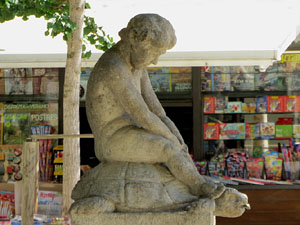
[124, 112]
[145, 165]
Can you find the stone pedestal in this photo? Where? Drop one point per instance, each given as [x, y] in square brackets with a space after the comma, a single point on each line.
[162, 218]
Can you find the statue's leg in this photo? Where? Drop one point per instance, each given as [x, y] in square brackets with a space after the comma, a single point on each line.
[133, 144]
[92, 205]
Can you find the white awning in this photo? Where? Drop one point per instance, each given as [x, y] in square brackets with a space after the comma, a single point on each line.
[209, 32]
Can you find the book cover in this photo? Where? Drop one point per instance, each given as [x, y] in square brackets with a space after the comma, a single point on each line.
[18, 81]
[255, 167]
[293, 81]
[232, 131]
[291, 103]
[181, 79]
[49, 203]
[252, 131]
[284, 127]
[242, 81]
[206, 81]
[47, 117]
[261, 104]
[160, 78]
[276, 104]
[211, 131]
[248, 107]
[234, 107]
[267, 130]
[209, 104]
[16, 128]
[221, 104]
[46, 81]
[273, 166]
[221, 82]
[296, 130]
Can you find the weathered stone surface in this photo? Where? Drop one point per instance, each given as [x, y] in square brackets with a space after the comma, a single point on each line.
[145, 165]
[200, 213]
[166, 218]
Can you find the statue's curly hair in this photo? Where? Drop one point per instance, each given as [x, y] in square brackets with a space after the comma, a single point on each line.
[150, 27]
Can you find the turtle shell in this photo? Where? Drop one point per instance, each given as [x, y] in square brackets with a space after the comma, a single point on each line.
[133, 186]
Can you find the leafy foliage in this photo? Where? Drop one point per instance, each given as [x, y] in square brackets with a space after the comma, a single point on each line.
[57, 13]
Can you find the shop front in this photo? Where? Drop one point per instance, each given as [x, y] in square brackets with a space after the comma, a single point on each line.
[239, 121]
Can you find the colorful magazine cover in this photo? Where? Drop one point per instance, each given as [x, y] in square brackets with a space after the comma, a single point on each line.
[205, 81]
[181, 79]
[252, 131]
[211, 131]
[160, 78]
[221, 82]
[276, 104]
[221, 104]
[16, 127]
[296, 130]
[18, 81]
[232, 131]
[261, 104]
[234, 107]
[209, 104]
[84, 77]
[255, 167]
[273, 165]
[242, 80]
[293, 81]
[267, 130]
[40, 113]
[292, 103]
[46, 81]
[50, 203]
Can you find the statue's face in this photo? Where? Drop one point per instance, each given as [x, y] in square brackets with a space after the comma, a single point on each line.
[144, 53]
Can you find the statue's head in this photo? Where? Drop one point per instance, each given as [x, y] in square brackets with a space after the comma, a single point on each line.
[149, 36]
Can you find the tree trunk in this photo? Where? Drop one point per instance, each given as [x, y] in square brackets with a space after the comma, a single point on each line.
[71, 104]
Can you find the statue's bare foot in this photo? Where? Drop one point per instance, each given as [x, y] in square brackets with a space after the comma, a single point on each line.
[211, 189]
[204, 204]
[92, 205]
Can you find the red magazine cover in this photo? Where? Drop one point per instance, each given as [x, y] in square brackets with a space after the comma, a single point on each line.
[211, 131]
[276, 104]
[291, 103]
[209, 104]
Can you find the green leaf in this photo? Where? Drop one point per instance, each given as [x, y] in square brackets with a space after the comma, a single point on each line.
[87, 5]
[83, 48]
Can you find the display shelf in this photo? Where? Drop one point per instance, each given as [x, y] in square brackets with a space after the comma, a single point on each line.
[271, 139]
[181, 102]
[27, 98]
[249, 94]
[45, 186]
[265, 187]
[242, 113]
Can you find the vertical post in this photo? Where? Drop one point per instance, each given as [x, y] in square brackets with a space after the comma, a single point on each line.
[30, 167]
[197, 114]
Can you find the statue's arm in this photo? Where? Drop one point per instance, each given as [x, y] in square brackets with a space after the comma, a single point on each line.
[133, 103]
[155, 106]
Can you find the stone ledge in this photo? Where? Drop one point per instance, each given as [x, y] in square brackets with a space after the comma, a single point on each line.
[161, 218]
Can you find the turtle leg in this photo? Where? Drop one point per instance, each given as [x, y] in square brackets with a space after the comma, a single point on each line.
[92, 205]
